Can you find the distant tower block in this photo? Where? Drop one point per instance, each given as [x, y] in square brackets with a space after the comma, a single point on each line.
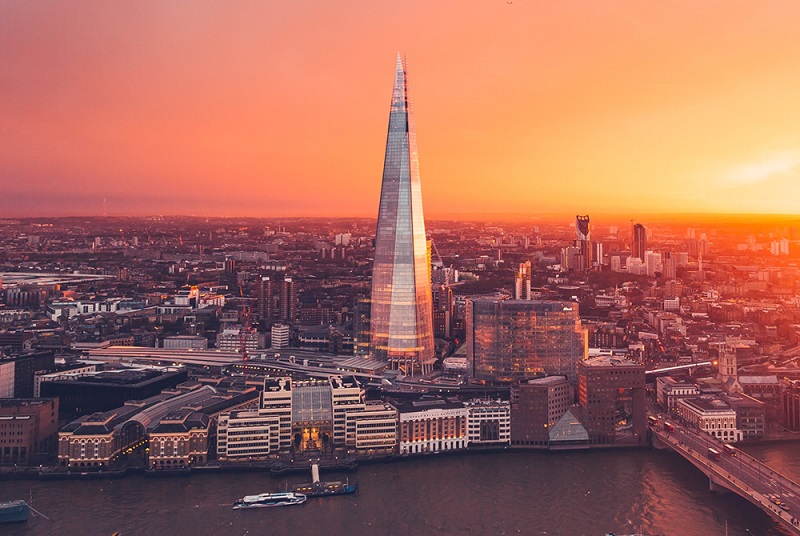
[401, 309]
[583, 241]
[639, 241]
[522, 282]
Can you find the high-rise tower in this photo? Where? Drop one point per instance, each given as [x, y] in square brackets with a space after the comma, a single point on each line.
[639, 241]
[401, 310]
[583, 241]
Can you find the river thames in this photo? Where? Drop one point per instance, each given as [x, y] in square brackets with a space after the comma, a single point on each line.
[568, 494]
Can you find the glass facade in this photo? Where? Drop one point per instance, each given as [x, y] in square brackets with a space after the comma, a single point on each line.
[401, 321]
[511, 340]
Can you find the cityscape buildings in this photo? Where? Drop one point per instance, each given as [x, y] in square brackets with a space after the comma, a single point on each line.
[152, 353]
[401, 309]
[111, 344]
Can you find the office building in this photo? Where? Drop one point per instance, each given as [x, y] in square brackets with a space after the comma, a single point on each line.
[522, 282]
[443, 305]
[401, 309]
[361, 326]
[611, 395]
[670, 391]
[711, 415]
[288, 304]
[373, 429]
[239, 339]
[750, 416]
[279, 336]
[639, 241]
[266, 300]
[513, 340]
[432, 426]
[583, 242]
[536, 406]
[309, 416]
[488, 423]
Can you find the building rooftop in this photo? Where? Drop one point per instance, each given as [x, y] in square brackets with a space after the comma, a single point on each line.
[707, 403]
[426, 404]
[610, 361]
[121, 377]
[765, 380]
[547, 380]
[17, 402]
[277, 384]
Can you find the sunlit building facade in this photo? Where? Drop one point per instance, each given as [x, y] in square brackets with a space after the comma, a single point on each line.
[512, 340]
[309, 416]
[401, 309]
[432, 426]
[488, 423]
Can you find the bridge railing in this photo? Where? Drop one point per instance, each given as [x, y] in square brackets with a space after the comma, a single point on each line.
[743, 456]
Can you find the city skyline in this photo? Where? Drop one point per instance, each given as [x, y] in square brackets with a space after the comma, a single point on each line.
[576, 109]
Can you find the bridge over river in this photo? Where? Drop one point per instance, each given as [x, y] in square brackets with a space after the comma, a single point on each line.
[734, 470]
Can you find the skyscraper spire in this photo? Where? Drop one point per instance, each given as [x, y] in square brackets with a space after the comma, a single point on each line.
[401, 310]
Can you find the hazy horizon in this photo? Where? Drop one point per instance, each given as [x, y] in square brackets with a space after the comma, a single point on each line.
[568, 218]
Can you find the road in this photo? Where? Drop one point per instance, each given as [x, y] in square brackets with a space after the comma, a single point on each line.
[751, 478]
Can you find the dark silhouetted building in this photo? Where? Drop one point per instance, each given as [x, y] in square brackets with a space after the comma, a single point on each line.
[639, 241]
[513, 340]
[266, 301]
[536, 406]
[17, 373]
[611, 395]
[288, 302]
[109, 389]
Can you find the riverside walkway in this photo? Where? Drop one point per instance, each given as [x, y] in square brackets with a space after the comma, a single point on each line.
[736, 471]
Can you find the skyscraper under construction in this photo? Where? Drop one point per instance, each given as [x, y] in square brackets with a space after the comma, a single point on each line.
[401, 310]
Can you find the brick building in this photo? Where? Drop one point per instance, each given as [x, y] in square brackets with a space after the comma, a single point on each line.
[611, 395]
[28, 428]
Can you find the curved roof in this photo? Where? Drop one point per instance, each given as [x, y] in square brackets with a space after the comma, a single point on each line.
[150, 417]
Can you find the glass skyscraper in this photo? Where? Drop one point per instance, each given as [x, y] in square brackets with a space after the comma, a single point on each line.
[401, 310]
[513, 340]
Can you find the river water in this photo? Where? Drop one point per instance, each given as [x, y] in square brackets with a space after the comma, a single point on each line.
[529, 493]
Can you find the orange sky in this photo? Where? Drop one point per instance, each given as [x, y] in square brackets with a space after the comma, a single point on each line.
[280, 108]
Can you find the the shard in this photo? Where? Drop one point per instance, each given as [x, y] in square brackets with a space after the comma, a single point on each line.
[401, 310]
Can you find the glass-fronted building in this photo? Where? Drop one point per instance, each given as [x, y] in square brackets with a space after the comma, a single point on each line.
[401, 319]
[512, 340]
